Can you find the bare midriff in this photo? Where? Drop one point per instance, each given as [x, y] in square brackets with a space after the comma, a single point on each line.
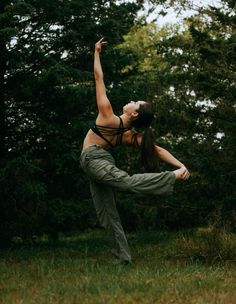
[93, 139]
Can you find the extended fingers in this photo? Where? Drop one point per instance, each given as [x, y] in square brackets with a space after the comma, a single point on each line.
[101, 41]
[186, 174]
[99, 44]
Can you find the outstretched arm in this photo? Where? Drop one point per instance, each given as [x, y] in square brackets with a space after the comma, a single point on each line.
[181, 173]
[103, 103]
[167, 157]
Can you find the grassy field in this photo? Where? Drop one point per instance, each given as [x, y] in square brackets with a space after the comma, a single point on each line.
[167, 268]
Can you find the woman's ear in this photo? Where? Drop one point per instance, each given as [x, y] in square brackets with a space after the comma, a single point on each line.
[134, 114]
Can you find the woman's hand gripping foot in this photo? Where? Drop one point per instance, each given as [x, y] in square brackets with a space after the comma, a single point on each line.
[182, 173]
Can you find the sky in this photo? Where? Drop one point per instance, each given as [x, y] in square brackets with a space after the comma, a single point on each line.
[171, 16]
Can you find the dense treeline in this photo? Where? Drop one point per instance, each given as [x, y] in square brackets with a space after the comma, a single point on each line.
[47, 104]
[189, 72]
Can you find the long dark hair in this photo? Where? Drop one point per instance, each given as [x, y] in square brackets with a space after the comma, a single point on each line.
[148, 152]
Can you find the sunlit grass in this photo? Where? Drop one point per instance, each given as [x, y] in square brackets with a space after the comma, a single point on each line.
[81, 270]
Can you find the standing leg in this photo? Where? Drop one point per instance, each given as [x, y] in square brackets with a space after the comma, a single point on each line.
[105, 205]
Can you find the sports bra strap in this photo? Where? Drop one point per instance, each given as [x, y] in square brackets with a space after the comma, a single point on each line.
[102, 131]
[134, 140]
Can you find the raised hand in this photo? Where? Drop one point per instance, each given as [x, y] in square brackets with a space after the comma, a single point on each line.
[99, 44]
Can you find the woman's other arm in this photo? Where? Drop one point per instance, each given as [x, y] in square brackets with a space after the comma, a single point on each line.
[167, 157]
[161, 153]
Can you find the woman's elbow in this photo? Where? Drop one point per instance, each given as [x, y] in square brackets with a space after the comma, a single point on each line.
[98, 75]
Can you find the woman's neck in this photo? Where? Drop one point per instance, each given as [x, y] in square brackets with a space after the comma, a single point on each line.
[126, 120]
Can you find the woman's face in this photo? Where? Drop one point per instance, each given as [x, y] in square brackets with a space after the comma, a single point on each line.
[132, 107]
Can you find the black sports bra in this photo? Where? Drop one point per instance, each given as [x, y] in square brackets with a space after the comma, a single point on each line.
[103, 131]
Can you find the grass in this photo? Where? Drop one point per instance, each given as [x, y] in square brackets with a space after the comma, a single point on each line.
[80, 270]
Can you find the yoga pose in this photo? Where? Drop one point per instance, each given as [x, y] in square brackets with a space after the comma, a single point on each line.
[110, 131]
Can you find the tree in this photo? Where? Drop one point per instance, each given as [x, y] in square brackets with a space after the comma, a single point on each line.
[189, 74]
[47, 103]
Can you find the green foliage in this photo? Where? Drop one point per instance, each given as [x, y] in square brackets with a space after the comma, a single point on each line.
[22, 193]
[189, 75]
[47, 103]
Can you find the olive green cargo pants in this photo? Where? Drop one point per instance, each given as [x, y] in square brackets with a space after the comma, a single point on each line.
[105, 177]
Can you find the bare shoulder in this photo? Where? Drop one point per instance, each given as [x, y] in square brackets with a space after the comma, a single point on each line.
[112, 120]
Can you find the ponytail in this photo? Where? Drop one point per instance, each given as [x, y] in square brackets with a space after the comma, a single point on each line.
[148, 151]
[149, 157]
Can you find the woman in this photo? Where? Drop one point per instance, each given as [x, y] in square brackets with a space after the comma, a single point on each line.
[110, 131]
